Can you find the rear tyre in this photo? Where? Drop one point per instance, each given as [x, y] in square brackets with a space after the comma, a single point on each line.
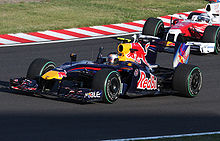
[39, 67]
[153, 27]
[109, 82]
[187, 80]
[212, 35]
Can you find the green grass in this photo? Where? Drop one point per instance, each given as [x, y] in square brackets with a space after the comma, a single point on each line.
[60, 14]
[193, 138]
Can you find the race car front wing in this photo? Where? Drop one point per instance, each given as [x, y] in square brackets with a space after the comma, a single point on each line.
[80, 94]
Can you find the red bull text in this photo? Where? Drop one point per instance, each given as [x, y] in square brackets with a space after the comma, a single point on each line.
[147, 83]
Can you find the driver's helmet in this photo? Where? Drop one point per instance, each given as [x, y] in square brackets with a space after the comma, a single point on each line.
[112, 58]
[204, 17]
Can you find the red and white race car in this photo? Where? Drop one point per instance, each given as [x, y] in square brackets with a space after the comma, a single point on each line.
[201, 31]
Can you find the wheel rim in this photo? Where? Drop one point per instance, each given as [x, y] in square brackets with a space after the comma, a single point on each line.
[112, 88]
[195, 82]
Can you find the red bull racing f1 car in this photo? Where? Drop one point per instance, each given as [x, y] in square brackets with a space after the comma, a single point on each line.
[200, 31]
[132, 69]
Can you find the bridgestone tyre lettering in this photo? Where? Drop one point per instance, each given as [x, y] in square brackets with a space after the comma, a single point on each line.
[109, 82]
[39, 67]
[212, 35]
[187, 80]
[153, 27]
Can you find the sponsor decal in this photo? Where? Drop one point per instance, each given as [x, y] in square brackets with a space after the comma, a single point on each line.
[62, 74]
[139, 53]
[183, 56]
[183, 59]
[147, 83]
[170, 44]
[95, 94]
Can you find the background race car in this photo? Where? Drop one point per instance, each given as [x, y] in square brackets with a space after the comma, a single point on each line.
[200, 31]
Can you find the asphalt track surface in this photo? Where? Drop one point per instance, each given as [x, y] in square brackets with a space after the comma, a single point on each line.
[34, 118]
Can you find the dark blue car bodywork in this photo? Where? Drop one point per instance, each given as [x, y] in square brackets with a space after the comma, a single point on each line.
[77, 77]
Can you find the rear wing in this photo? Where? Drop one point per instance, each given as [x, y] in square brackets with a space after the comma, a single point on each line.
[180, 51]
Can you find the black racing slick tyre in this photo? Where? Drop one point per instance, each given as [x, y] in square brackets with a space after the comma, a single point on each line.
[153, 27]
[192, 14]
[109, 82]
[212, 35]
[187, 80]
[39, 67]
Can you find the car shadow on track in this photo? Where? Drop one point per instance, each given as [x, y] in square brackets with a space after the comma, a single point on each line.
[4, 83]
[4, 86]
[135, 96]
[58, 126]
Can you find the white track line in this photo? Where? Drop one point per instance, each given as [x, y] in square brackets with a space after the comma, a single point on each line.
[170, 136]
[139, 21]
[29, 37]
[129, 26]
[85, 32]
[5, 41]
[164, 20]
[58, 35]
[108, 29]
[69, 40]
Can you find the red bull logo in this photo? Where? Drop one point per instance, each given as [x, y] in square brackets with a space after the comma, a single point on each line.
[62, 74]
[182, 55]
[183, 59]
[147, 83]
[138, 53]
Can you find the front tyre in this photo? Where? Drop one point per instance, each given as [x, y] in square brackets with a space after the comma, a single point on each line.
[39, 67]
[187, 80]
[109, 82]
